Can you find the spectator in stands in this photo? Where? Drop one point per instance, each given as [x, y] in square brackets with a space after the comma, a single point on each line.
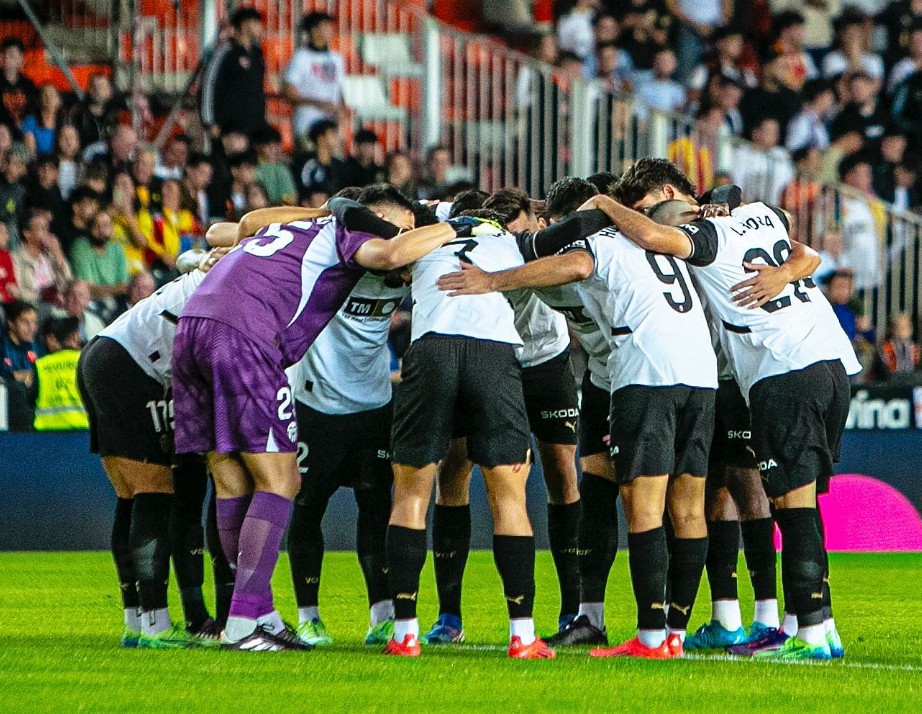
[233, 96]
[175, 156]
[271, 170]
[863, 112]
[605, 30]
[41, 268]
[807, 129]
[804, 197]
[243, 173]
[851, 53]
[612, 74]
[324, 171]
[17, 343]
[841, 294]
[905, 194]
[195, 185]
[435, 182]
[398, 172]
[70, 162]
[84, 204]
[13, 192]
[797, 66]
[907, 105]
[101, 261]
[899, 353]
[765, 168]
[859, 229]
[574, 30]
[97, 115]
[662, 91]
[817, 14]
[772, 98]
[76, 305]
[6, 139]
[8, 289]
[362, 168]
[890, 154]
[232, 143]
[832, 257]
[725, 62]
[728, 95]
[171, 231]
[313, 80]
[42, 191]
[130, 221]
[898, 19]
[18, 95]
[147, 186]
[841, 147]
[697, 21]
[115, 155]
[911, 61]
[39, 129]
[647, 27]
[257, 197]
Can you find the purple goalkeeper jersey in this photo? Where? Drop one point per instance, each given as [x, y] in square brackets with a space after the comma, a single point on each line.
[284, 285]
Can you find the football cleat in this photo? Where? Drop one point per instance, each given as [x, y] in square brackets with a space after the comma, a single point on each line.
[836, 650]
[634, 648]
[261, 640]
[757, 631]
[536, 650]
[313, 633]
[208, 635]
[380, 634]
[130, 638]
[408, 648]
[675, 645]
[714, 636]
[795, 648]
[769, 642]
[173, 638]
[578, 632]
[447, 630]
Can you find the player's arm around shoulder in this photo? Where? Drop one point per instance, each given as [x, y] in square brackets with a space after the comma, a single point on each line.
[569, 267]
[406, 248]
[639, 229]
[263, 217]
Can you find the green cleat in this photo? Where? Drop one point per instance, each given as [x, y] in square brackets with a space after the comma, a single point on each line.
[795, 648]
[380, 634]
[314, 633]
[173, 638]
[130, 638]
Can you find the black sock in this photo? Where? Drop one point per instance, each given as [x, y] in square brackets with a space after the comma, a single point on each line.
[515, 560]
[827, 594]
[306, 548]
[648, 558]
[802, 563]
[121, 553]
[759, 548]
[451, 543]
[598, 535]
[221, 570]
[687, 558]
[371, 532]
[406, 556]
[150, 546]
[563, 534]
[187, 537]
[723, 555]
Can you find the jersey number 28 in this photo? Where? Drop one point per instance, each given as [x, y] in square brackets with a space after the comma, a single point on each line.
[781, 251]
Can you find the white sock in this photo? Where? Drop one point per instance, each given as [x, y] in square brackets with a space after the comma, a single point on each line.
[523, 628]
[381, 611]
[595, 612]
[790, 624]
[239, 627]
[306, 614]
[727, 613]
[814, 635]
[680, 633]
[651, 638]
[830, 625]
[402, 628]
[272, 622]
[133, 619]
[155, 621]
[766, 612]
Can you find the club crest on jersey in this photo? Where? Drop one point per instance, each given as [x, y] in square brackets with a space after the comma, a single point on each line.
[292, 431]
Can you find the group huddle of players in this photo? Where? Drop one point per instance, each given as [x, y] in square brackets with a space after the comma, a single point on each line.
[713, 402]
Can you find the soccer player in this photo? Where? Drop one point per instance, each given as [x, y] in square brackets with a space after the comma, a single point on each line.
[463, 357]
[790, 357]
[256, 314]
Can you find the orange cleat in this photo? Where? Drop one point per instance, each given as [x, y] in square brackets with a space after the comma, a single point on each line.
[536, 650]
[634, 648]
[675, 645]
[408, 648]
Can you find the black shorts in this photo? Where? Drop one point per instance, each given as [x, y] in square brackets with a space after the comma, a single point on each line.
[593, 419]
[661, 430]
[442, 373]
[551, 400]
[352, 450]
[797, 424]
[130, 413]
[731, 446]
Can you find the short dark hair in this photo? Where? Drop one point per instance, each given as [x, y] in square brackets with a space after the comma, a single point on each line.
[244, 157]
[350, 192]
[12, 42]
[29, 215]
[320, 128]
[265, 135]
[567, 56]
[509, 203]
[566, 195]
[312, 19]
[647, 175]
[46, 160]
[603, 180]
[432, 150]
[604, 45]
[468, 201]
[85, 193]
[365, 136]
[60, 328]
[244, 14]
[484, 214]
[379, 194]
[197, 159]
[602, 16]
[15, 308]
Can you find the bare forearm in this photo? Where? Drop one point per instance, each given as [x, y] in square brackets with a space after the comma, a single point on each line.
[262, 217]
[410, 247]
[802, 262]
[544, 273]
[641, 230]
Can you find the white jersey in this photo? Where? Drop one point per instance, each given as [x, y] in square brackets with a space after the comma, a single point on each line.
[794, 330]
[147, 330]
[318, 76]
[543, 330]
[483, 317]
[648, 306]
[347, 369]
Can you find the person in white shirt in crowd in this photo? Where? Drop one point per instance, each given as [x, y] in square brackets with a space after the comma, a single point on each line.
[763, 169]
[910, 64]
[313, 80]
[727, 95]
[851, 53]
[663, 92]
[818, 15]
[574, 31]
[698, 19]
[859, 231]
[807, 129]
[832, 257]
[172, 164]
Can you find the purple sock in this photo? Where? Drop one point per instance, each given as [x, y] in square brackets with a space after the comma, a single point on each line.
[260, 541]
[230, 513]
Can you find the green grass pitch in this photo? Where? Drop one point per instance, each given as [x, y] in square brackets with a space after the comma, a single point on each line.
[60, 621]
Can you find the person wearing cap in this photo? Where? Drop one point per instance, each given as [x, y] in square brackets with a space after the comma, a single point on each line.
[808, 128]
[233, 98]
[18, 94]
[271, 170]
[313, 80]
[362, 168]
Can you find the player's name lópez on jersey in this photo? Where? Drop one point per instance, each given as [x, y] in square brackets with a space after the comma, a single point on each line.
[796, 329]
[347, 369]
[649, 308]
[147, 330]
[483, 317]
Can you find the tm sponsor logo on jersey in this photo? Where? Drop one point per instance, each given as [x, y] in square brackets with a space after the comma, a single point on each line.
[364, 308]
[560, 414]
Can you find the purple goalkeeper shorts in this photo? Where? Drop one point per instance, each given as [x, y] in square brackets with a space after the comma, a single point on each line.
[230, 394]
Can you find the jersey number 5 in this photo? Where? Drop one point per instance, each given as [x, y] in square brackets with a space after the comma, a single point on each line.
[671, 274]
[269, 243]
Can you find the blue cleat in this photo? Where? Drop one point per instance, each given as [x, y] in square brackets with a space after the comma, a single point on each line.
[447, 630]
[757, 631]
[772, 640]
[836, 650]
[714, 636]
[564, 621]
